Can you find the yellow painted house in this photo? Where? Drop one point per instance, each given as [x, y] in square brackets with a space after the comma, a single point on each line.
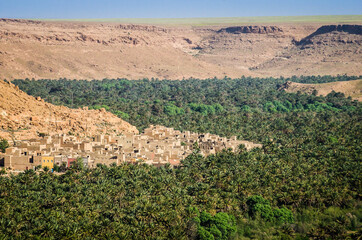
[47, 162]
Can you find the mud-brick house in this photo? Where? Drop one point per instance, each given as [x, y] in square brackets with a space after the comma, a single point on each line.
[71, 161]
[86, 161]
[106, 159]
[59, 159]
[14, 158]
[47, 161]
[86, 147]
[104, 139]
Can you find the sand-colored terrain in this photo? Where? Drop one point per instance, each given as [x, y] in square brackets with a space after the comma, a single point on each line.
[24, 116]
[90, 50]
[349, 88]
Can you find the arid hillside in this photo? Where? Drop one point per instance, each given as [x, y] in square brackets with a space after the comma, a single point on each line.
[23, 116]
[330, 50]
[84, 50]
[349, 88]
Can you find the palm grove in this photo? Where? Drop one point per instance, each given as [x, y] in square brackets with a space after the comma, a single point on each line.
[303, 183]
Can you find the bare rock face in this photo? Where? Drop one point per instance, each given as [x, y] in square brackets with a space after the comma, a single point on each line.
[352, 29]
[252, 29]
[328, 30]
[142, 28]
[328, 50]
[26, 116]
[7, 20]
[285, 85]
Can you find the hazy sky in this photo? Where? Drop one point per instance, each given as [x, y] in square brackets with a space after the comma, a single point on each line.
[173, 8]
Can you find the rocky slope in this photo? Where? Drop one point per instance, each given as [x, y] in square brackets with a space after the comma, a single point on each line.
[349, 88]
[24, 116]
[33, 49]
[331, 50]
[350, 29]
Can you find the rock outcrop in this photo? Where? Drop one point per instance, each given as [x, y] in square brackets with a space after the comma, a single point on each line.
[252, 29]
[349, 29]
[146, 28]
[352, 29]
[8, 20]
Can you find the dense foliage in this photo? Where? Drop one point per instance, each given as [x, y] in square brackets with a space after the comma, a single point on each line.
[222, 106]
[303, 183]
[258, 206]
[220, 226]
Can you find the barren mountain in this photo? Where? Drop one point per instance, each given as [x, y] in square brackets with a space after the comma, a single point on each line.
[24, 116]
[34, 49]
[349, 88]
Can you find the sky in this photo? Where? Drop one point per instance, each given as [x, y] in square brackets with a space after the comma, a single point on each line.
[70, 9]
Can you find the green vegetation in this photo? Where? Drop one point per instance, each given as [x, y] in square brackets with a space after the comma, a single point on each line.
[225, 107]
[3, 145]
[220, 226]
[171, 110]
[206, 109]
[223, 21]
[304, 183]
[258, 206]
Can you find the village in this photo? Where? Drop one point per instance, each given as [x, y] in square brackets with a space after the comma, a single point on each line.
[157, 146]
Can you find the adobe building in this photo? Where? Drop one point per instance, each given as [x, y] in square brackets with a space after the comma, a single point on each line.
[158, 146]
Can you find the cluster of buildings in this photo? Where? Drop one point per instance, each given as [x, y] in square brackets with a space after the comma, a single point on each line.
[158, 146]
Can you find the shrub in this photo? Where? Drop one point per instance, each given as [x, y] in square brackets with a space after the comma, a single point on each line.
[256, 199]
[265, 211]
[121, 114]
[3, 145]
[172, 110]
[258, 206]
[245, 108]
[206, 109]
[283, 215]
[220, 226]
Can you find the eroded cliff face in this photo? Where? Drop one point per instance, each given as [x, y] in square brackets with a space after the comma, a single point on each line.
[252, 29]
[34, 49]
[329, 50]
[25, 116]
[352, 29]
[340, 33]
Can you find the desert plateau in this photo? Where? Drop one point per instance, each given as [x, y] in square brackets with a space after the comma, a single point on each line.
[91, 50]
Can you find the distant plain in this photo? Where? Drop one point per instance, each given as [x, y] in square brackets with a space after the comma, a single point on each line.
[223, 21]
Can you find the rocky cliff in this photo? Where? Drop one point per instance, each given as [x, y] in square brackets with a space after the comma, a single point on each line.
[329, 50]
[354, 31]
[252, 29]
